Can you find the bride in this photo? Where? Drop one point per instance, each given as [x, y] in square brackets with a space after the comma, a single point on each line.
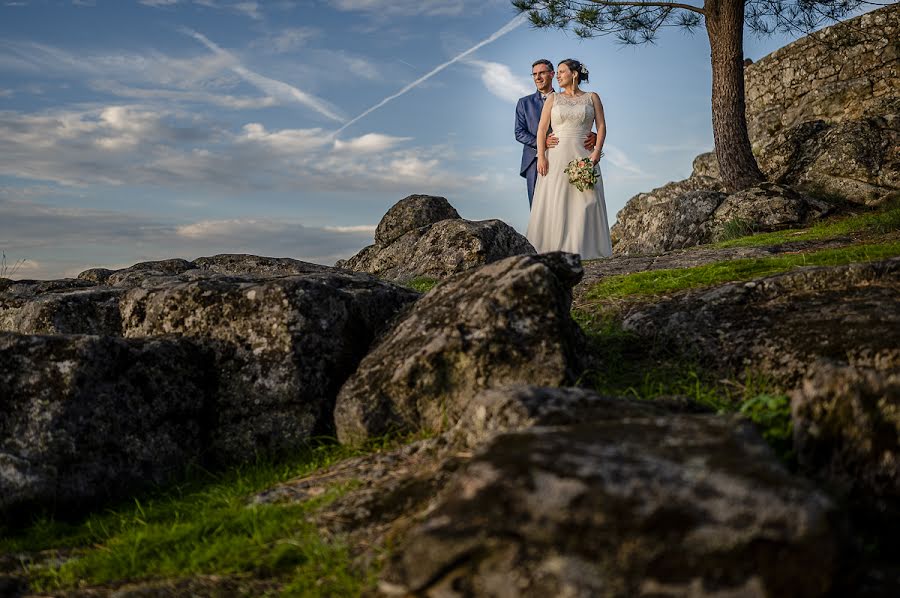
[562, 217]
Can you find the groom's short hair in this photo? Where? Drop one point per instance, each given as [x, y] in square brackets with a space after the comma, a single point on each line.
[543, 61]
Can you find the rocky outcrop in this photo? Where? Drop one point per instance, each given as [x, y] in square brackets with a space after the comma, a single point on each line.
[271, 347]
[71, 310]
[504, 323]
[696, 211]
[283, 347]
[857, 160]
[823, 115]
[674, 216]
[86, 418]
[423, 236]
[782, 324]
[845, 72]
[676, 505]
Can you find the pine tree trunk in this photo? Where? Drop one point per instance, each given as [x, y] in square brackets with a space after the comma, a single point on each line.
[725, 27]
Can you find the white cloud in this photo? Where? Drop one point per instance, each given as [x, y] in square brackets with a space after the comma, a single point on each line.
[136, 145]
[193, 97]
[158, 3]
[288, 40]
[511, 25]
[370, 142]
[287, 141]
[499, 80]
[251, 9]
[278, 89]
[228, 228]
[361, 228]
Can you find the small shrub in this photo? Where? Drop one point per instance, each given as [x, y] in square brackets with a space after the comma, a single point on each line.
[737, 228]
[7, 271]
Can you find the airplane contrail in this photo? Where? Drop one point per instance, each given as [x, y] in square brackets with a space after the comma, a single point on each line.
[518, 20]
[273, 87]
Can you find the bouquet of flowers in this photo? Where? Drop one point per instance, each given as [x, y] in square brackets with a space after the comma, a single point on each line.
[582, 173]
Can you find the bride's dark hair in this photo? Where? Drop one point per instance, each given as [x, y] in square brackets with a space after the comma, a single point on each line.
[577, 67]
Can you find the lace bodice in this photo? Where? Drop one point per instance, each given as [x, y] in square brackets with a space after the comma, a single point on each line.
[572, 115]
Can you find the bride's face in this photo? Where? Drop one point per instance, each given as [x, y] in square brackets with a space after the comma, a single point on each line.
[564, 75]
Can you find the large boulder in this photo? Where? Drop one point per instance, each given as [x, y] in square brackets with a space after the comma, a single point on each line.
[423, 236]
[780, 325]
[504, 323]
[673, 216]
[282, 347]
[60, 307]
[764, 208]
[677, 505]
[390, 488]
[411, 213]
[285, 333]
[137, 274]
[85, 419]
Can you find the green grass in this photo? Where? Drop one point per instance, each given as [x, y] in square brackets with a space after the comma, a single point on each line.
[204, 526]
[630, 366]
[655, 282]
[885, 220]
[423, 284]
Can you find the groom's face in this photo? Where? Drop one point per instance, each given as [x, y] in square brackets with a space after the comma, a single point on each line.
[543, 77]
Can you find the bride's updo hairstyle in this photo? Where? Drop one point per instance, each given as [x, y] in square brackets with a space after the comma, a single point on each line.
[577, 67]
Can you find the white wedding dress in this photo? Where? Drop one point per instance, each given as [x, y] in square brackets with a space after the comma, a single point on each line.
[562, 217]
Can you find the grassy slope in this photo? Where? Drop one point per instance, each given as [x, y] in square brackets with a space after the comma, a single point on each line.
[207, 526]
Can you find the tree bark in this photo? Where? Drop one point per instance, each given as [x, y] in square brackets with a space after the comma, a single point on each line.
[725, 27]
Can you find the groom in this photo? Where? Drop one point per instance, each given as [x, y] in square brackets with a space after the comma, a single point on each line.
[528, 115]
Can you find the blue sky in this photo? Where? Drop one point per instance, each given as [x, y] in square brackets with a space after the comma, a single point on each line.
[133, 130]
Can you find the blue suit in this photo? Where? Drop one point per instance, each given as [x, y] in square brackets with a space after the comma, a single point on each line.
[528, 115]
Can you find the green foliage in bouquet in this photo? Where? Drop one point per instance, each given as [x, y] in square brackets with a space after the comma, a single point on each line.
[582, 173]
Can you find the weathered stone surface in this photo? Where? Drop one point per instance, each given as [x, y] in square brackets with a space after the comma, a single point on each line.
[241, 264]
[844, 72]
[411, 213]
[673, 216]
[283, 347]
[96, 275]
[504, 323]
[440, 250]
[781, 324]
[58, 307]
[496, 410]
[857, 160]
[764, 208]
[135, 275]
[847, 430]
[677, 505]
[83, 311]
[86, 418]
[391, 487]
[706, 165]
